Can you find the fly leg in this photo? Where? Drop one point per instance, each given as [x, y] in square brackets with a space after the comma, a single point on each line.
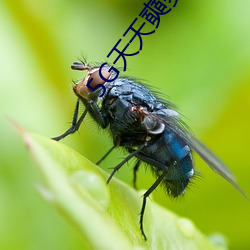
[93, 109]
[125, 160]
[75, 124]
[105, 155]
[145, 196]
[97, 114]
[135, 169]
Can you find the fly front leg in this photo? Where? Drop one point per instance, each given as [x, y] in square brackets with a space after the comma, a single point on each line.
[94, 111]
[75, 123]
[97, 114]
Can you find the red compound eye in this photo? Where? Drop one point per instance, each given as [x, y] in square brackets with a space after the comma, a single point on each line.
[96, 77]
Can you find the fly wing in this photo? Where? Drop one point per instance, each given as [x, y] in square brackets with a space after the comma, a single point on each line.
[207, 155]
[174, 123]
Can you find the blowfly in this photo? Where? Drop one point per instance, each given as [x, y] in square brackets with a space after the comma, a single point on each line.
[148, 127]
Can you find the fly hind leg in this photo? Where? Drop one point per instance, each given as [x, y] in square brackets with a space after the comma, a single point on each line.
[145, 196]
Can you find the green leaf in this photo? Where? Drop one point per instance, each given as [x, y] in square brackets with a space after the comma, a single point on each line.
[106, 215]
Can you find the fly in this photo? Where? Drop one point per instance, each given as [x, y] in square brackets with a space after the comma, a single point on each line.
[149, 128]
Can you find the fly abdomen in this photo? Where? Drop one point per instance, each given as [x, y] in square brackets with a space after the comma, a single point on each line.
[168, 154]
[178, 176]
[180, 166]
[177, 147]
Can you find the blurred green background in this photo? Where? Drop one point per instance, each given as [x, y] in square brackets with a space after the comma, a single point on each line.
[199, 57]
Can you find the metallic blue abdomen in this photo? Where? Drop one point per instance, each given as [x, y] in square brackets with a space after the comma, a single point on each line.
[168, 153]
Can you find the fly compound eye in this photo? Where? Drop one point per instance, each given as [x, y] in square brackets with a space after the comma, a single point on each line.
[153, 126]
[91, 82]
[95, 79]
